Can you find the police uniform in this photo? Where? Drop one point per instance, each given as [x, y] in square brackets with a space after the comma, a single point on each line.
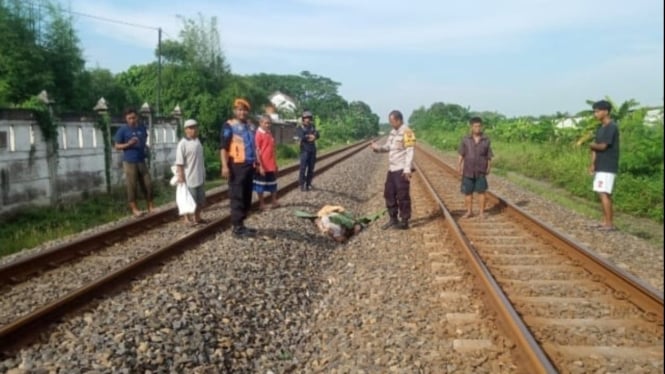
[307, 153]
[400, 147]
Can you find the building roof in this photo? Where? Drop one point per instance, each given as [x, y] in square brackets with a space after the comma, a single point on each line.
[286, 97]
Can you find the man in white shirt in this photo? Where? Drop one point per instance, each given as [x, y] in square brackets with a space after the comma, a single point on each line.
[190, 168]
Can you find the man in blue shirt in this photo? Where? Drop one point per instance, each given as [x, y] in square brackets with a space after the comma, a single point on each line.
[238, 156]
[131, 139]
[307, 136]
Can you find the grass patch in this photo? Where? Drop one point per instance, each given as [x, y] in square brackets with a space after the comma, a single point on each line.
[32, 226]
[646, 229]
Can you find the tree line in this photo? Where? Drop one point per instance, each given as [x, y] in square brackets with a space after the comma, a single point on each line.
[41, 50]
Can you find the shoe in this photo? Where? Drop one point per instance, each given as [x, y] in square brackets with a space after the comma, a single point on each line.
[303, 188]
[389, 224]
[310, 187]
[242, 231]
[402, 225]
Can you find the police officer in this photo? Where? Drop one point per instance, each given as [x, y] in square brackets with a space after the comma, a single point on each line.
[399, 146]
[238, 156]
[307, 135]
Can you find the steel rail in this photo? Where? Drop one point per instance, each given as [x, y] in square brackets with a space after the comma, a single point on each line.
[529, 353]
[626, 285]
[25, 329]
[22, 268]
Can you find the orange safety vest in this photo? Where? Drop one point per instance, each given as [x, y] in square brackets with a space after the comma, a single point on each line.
[242, 143]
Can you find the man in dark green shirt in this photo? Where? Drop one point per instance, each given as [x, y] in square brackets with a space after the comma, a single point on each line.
[605, 160]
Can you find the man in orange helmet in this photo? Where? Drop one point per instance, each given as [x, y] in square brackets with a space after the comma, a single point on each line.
[238, 157]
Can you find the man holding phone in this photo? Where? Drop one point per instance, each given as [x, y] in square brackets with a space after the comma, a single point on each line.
[131, 139]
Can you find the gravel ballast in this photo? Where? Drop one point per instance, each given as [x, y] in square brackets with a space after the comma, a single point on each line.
[291, 300]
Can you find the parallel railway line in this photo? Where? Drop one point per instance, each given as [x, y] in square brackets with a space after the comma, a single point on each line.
[568, 309]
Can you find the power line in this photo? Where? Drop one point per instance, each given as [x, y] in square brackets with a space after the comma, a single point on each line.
[99, 18]
[113, 20]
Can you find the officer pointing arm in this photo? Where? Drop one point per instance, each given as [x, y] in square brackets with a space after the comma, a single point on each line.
[385, 147]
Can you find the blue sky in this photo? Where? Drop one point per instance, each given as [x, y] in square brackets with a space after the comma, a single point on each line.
[517, 57]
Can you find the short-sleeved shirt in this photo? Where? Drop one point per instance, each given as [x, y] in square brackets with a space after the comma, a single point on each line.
[136, 153]
[608, 160]
[238, 139]
[476, 155]
[307, 145]
[189, 154]
[400, 148]
[265, 147]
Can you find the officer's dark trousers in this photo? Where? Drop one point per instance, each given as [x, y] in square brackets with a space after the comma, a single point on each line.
[397, 195]
[240, 191]
[307, 161]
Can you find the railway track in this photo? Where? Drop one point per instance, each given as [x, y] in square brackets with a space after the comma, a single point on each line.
[36, 281]
[567, 309]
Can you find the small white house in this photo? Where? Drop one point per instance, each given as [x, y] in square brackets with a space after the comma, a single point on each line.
[653, 117]
[568, 122]
[282, 102]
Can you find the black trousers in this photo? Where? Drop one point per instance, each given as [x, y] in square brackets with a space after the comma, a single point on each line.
[241, 179]
[396, 193]
[307, 161]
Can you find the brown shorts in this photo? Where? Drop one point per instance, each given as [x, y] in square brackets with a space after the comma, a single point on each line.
[137, 174]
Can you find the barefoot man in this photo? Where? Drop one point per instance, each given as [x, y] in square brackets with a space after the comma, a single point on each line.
[474, 163]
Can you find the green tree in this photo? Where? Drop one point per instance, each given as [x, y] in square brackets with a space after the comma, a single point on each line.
[22, 61]
[102, 83]
[310, 91]
[64, 58]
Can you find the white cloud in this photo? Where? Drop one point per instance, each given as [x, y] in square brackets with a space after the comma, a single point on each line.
[348, 25]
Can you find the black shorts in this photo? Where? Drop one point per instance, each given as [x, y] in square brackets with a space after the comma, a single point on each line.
[471, 185]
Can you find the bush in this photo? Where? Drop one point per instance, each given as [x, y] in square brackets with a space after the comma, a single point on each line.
[288, 151]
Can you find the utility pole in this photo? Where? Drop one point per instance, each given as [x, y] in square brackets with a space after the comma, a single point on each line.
[159, 71]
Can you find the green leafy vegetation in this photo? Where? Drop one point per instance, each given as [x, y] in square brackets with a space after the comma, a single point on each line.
[537, 148]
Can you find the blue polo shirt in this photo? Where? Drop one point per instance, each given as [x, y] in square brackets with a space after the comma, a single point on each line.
[136, 153]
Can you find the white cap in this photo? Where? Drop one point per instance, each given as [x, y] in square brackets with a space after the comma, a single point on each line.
[190, 122]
